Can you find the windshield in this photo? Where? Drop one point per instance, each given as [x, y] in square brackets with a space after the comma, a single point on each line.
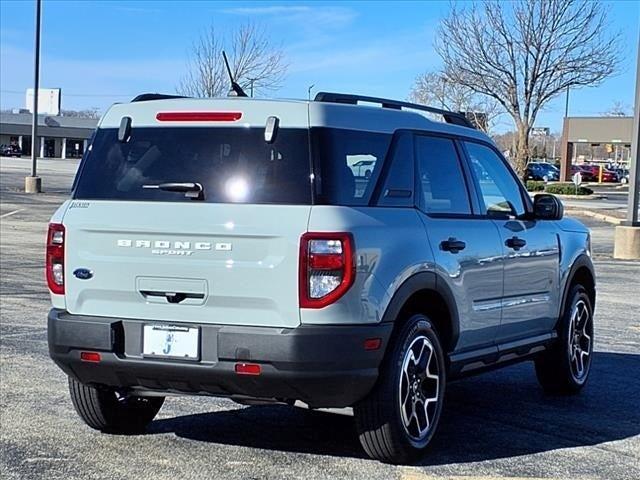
[233, 165]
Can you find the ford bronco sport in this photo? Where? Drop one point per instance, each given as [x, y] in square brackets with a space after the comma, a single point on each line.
[235, 248]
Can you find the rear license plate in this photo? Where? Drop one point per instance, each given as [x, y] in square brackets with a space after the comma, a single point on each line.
[169, 341]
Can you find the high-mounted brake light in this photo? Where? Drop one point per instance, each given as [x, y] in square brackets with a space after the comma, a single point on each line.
[55, 258]
[198, 116]
[327, 269]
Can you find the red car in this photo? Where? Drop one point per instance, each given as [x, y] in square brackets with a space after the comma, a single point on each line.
[607, 175]
[587, 175]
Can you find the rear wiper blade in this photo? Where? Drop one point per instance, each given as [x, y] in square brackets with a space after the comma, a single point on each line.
[191, 190]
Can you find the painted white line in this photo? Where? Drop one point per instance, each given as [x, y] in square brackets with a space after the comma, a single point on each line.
[8, 214]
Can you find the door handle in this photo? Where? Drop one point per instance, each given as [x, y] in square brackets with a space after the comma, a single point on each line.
[452, 245]
[515, 243]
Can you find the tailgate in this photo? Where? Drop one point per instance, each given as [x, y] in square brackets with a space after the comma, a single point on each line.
[185, 262]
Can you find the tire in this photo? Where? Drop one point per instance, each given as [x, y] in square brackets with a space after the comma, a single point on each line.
[564, 369]
[106, 410]
[385, 432]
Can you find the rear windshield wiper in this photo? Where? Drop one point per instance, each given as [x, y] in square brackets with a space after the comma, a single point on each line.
[191, 190]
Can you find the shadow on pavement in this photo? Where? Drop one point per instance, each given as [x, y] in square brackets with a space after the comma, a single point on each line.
[496, 415]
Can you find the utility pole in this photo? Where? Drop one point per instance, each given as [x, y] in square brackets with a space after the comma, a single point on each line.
[309, 91]
[33, 183]
[627, 238]
[566, 105]
[251, 80]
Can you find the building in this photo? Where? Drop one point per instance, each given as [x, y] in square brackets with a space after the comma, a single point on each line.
[61, 137]
[609, 134]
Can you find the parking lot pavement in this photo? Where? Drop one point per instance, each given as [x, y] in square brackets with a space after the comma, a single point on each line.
[497, 425]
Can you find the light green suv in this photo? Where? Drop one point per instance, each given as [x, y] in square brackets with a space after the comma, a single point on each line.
[238, 248]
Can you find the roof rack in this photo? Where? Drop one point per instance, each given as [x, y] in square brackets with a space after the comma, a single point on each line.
[144, 97]
[455, 118]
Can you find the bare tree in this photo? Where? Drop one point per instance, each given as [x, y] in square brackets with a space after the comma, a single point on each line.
[255, 63]
[525, 52]
[436, 90]
[618, 109]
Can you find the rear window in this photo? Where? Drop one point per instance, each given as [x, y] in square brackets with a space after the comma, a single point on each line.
[233, 165]
[347, 164]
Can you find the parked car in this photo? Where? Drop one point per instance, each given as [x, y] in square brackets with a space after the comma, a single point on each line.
[587, 175]
[542, 171]
[363, 168]
[10, 151]
[607, 175]
[220, 247]
[623, 174]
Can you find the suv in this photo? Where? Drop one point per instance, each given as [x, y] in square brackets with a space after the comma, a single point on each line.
[225, 247]
[541, 171]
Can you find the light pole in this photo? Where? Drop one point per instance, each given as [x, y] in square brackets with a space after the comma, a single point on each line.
[33, 183]
[634, 174]
[627, 239]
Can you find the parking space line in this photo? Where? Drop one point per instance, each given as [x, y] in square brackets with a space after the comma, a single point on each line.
[409, 473]
[8, 214]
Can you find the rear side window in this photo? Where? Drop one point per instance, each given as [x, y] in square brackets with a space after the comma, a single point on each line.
[444, 190]
[233, 165]
[347, 164]
[397, 190]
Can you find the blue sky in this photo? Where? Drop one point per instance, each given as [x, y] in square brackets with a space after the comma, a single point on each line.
[102, 52]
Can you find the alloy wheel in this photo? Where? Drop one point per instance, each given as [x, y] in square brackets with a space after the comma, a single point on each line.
[419, 388]
[580, 340]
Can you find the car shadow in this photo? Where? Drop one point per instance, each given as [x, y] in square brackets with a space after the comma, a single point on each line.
[496, 415]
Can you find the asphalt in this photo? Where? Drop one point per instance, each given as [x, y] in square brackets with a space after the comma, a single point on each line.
[496, 425]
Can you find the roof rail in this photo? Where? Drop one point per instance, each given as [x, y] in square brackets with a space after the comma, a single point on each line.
[455, 118]
[144, 97]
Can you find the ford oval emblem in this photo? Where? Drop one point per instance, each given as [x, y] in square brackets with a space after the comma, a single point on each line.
[83, 273]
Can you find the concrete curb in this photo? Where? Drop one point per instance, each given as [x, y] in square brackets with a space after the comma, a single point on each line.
[596, 215]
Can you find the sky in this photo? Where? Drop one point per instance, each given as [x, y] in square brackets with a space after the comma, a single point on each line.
[101, 52]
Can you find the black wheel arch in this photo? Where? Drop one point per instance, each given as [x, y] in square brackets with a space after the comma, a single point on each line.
[426, 293]
[582, 272]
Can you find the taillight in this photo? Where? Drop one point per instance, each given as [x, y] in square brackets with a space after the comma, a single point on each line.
[55, 258]
[327, 269]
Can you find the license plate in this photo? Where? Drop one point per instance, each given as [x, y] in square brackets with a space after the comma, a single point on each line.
[168, 341]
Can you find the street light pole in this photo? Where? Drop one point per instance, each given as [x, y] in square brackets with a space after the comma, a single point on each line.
[627, 237]
[634, 174]
[33, 183]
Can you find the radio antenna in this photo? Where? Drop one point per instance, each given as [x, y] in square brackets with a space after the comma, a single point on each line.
[236, 90]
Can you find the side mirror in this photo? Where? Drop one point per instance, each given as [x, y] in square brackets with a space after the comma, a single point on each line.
[547, 207]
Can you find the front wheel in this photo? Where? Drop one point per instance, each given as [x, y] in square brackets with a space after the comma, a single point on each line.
[565, 368]
[399, 417]
[107, 409]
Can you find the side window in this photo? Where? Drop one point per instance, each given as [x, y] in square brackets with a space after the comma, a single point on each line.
[500, 192]
[441, 179]
[347, 164]
[397, 190]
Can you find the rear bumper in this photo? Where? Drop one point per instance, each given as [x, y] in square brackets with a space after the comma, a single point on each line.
[323, 366]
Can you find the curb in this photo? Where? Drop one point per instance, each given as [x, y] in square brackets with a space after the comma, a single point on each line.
[596, 215]
[582, 197]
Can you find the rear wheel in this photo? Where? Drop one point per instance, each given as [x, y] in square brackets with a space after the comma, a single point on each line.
[398, 419]
[109, 410]
[564, 369]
